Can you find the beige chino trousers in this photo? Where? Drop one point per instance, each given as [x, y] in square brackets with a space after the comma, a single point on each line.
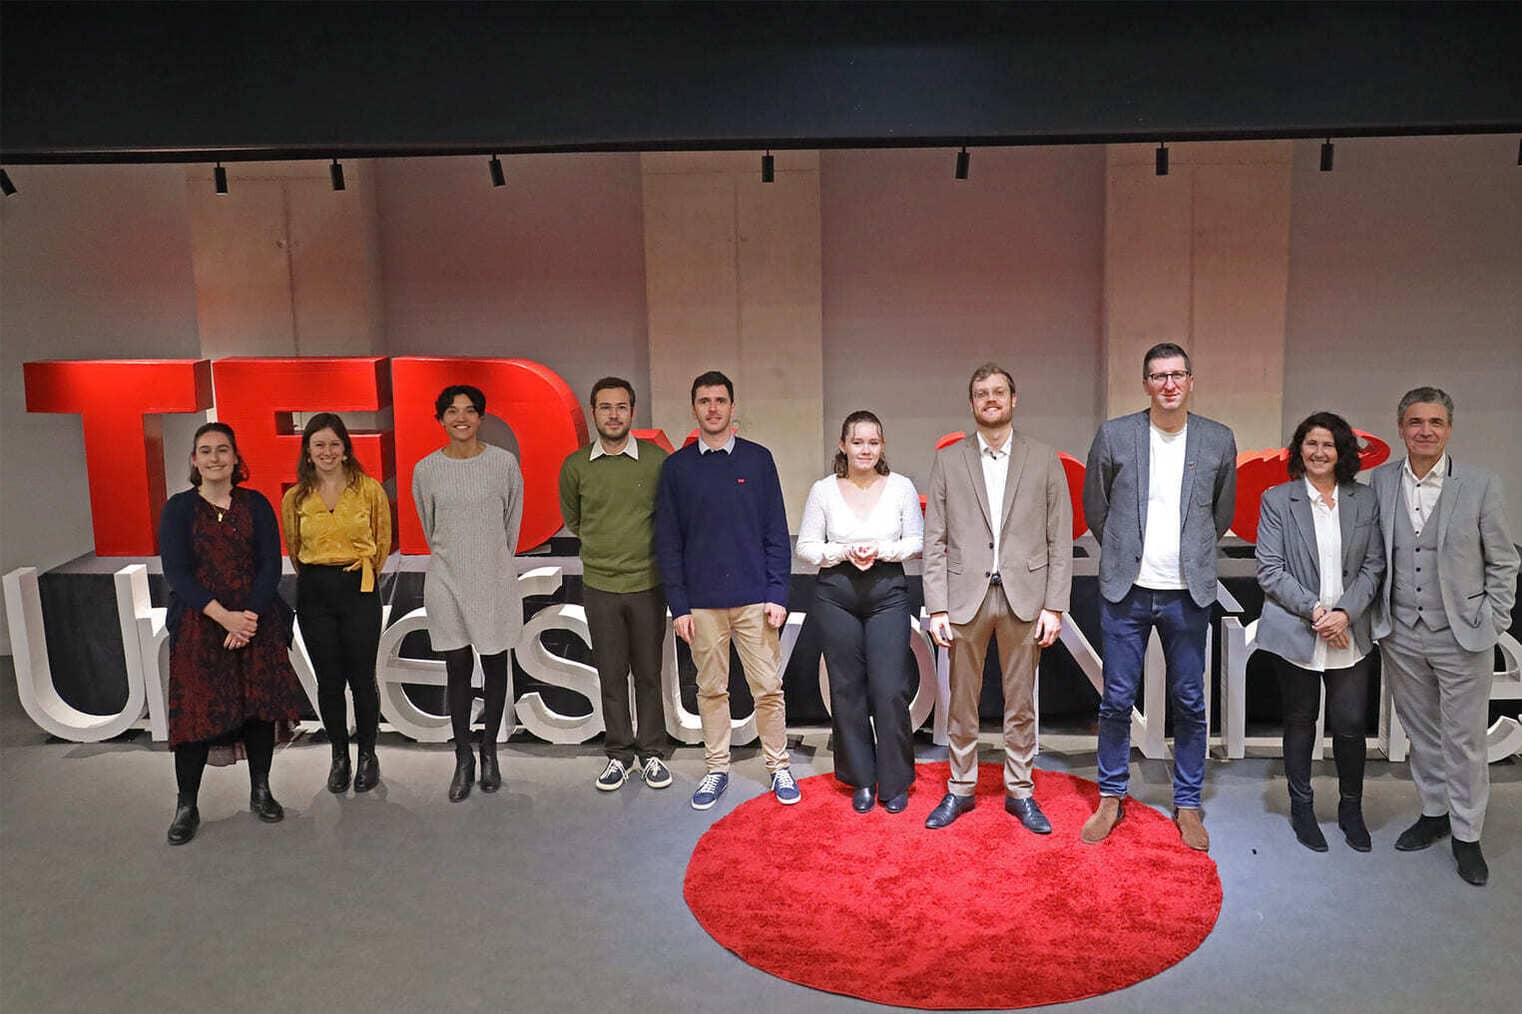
[1018, 654]
[760, 650]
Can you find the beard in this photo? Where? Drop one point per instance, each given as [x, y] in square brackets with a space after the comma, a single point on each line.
[613, 434]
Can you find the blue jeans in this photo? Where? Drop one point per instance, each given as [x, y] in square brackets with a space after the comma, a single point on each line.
[1126, 626]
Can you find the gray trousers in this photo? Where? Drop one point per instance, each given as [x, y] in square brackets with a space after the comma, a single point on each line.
[1442, 694]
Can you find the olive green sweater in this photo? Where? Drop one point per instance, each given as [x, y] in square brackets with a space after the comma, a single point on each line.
[610, 504]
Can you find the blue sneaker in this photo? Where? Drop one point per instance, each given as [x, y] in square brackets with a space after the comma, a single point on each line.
[785, 787]
[710, 789]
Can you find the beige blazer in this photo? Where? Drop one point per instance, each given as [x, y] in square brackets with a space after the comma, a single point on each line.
[1035, 542]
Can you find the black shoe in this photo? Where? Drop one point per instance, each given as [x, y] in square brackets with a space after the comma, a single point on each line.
[339, 774]
[949, 809]
[263, 803]
[366, 771]
[1029, 813]
[864, 798]
[897, 803]
[186, 819]
[1423, 833]
[1350, 819]
[464, 776]
[1471, 862]
[491, 775]
[1302, 818]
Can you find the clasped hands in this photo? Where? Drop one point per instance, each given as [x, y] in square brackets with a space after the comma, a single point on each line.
[1331, 625]
[240, 624]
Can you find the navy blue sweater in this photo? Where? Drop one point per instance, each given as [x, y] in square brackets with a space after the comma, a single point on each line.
[177, 552]
[721, 529]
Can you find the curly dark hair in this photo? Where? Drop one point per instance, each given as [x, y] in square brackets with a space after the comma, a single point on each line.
[449, 394]
[842, 463]
[306, 471]
[1347, 465]
[240, 470]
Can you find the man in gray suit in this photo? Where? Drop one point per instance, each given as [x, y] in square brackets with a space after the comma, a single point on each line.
[1159, 493]
[1447, 596]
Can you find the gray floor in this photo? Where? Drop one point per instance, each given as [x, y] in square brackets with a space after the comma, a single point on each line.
[554, 897]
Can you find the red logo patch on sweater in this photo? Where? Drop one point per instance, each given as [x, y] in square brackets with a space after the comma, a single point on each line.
[740, 481]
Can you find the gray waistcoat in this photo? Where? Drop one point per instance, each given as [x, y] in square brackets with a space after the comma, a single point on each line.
[1414, 590]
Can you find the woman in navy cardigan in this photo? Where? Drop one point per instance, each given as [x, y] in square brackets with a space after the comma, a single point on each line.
[231, 687]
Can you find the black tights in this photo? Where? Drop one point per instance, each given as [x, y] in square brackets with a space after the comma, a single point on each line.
[190, 759]
[1346, 701]
[458, 663]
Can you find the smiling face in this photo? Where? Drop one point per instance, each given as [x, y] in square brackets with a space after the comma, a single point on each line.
[863, 447]
[1318, 451]
[1168, 383]
[214, 457]
[461, 420]
[1426, 428]
[613, 413]
[713, 409]
[993, 403]
[327, 451]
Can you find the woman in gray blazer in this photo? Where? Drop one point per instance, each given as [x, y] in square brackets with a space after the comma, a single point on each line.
[1320, 562]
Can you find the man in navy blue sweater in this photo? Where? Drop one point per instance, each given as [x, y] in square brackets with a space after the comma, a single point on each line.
[722, 545]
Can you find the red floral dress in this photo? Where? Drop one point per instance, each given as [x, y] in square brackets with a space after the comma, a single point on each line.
[213, 690]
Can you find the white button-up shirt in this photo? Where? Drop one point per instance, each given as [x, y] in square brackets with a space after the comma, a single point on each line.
[1329, 561]
[1422, 494]
[995, 476]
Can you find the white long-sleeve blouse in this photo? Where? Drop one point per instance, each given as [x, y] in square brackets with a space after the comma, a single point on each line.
[830, 527]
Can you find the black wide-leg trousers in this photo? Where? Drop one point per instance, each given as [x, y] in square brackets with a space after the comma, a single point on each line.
[341, 626]
[863, 620]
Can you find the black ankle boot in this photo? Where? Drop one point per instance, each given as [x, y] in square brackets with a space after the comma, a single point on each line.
[464, 775]
[366, 771]
[338, 774]
[186, 819]
[1302, 818]
[1350, 819]
[491, 775]
[262, 802]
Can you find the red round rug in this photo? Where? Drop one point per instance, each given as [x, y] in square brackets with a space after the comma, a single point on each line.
[982, 914]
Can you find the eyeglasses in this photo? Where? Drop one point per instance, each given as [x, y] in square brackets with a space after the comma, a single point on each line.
[1177, 376]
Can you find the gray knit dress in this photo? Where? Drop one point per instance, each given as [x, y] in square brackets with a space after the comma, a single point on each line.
[471, 509]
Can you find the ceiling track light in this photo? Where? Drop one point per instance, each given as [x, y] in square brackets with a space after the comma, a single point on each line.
[964, 161]
[768, 168]
[220, 176]
[1327, 155]
[494, 167]
[6, 186]
[1162, 160]
[336, 171]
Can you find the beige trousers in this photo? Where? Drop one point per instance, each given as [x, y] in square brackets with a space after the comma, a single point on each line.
[1018, 654]
[760, 650]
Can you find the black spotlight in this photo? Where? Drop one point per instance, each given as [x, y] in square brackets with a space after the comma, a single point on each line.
[768, 168]
[1162, 160]
[495, 168]
[220, 176]
[1327, 154]
[6, 186]
[964, 160]
[336, 171]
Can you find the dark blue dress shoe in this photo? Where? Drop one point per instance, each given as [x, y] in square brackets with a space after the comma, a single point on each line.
[1471, 862]
[1029, 813]
[864, 799]
[897, 803]
[949, 809]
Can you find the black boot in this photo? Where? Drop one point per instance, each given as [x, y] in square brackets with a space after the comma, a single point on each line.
[262, 802]
[464, 775]
[491, 775]
[338, 774]
[1302, 817]
[366, 771]
[186, 819]
[1350, 819]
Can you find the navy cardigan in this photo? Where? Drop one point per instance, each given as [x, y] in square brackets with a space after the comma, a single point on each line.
[178, 556]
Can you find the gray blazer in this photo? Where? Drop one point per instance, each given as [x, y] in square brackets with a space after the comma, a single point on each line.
[1115, 501]
[1476, 558]
[1289, 567]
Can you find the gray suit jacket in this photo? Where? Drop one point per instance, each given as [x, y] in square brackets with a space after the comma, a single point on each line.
[1115, 501]
[1476, 558]
[1035, 542]
[1289, 567]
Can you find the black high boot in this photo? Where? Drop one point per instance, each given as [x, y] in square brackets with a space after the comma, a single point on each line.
[186, 819]
[464, 774]
[491, 775]
[366, 770]
[1350, 819]
[263, 803]
[339, 774]
[1302, 817]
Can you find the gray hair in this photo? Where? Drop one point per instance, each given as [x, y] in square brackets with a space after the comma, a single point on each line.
[1434, 395]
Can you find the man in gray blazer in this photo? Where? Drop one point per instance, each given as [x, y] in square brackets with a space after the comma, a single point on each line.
[1447, 597]
[1160, 491]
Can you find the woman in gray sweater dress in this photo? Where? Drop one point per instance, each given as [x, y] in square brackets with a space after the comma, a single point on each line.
[469, 496]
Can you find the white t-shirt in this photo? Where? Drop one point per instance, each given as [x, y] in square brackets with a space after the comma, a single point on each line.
[1160, 569]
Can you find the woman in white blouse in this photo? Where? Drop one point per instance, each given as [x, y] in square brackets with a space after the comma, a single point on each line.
[1320, 561]
[859, 525]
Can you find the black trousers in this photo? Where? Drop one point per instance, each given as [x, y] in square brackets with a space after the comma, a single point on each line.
[341, 626]
[628, 631]
[1347, 695]
[863, 619]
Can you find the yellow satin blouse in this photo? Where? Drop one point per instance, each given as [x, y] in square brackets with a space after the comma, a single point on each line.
[355, 534]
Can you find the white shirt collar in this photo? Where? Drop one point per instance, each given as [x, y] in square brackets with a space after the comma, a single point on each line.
[985, 448]
[631, 448]
[1433, 478]
[1315, 495]
[728, 448]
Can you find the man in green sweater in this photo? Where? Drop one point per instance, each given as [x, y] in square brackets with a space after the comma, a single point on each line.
[607, 497]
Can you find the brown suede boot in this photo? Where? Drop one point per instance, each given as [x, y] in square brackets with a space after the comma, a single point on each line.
[1098, 827]
[1192, 828]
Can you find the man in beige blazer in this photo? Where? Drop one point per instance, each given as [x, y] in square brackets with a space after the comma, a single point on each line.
[998, 563]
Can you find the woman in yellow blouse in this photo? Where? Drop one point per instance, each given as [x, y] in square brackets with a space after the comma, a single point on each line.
[337, 525]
